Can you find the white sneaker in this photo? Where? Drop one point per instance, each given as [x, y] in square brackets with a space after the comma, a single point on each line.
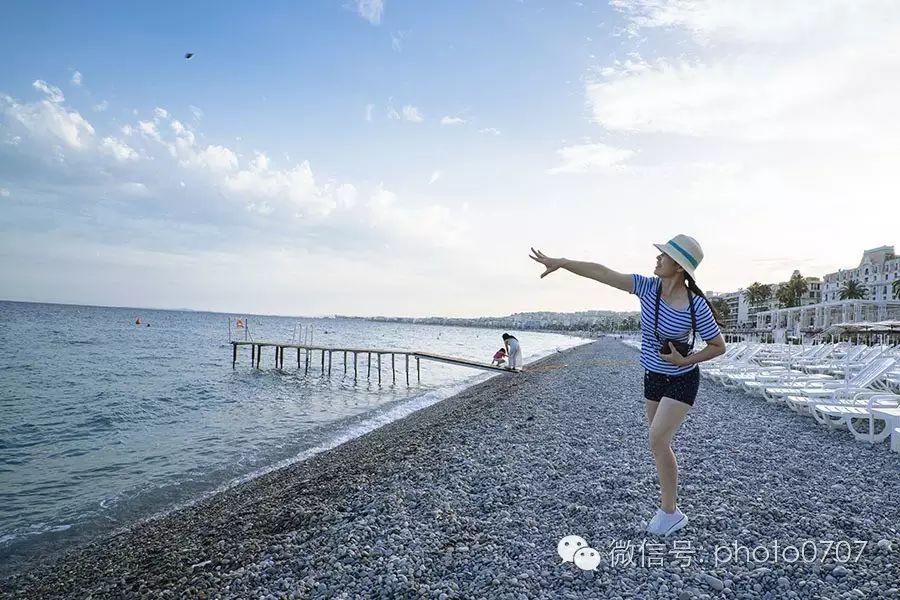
[653, 526]
[667, 523]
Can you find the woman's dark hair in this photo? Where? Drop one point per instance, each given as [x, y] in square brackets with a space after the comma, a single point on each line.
[506, 335]
[692, 285]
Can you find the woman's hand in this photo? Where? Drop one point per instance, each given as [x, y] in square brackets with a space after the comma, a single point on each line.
[552, 264]
[674, 357]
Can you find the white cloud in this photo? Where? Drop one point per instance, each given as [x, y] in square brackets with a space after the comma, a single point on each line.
[434, 177]
[296, 188]
[217, 158]
[101, 106]
[764, 21]
[432, 224]
[584, 158]
[489, 131]
[370, 10]
[831, 79]
[412, 114]
[54, 94]
[254, 200]
[409, 113]
[198, 114]
[149, 129]
[77, 78]
[346, 194]
[397, 41]
[119, 150]
[135, 188]
[160, 113]
[369, 108]
[448, 120]
[49, 120]
[4, 193]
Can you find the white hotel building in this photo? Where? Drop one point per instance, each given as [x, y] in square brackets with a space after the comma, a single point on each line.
[822, 306]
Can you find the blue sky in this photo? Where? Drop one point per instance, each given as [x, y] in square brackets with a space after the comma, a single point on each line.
[397, 157]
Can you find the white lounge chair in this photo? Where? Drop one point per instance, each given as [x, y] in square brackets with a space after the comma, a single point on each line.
[831, 392]
[771, 371]
[838, 416]
[855, 353]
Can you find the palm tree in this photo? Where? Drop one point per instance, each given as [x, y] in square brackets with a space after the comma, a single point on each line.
[757, 293]
[853, 291]
[629, 323]
[791, 293]
[723, 308]
[895, 288]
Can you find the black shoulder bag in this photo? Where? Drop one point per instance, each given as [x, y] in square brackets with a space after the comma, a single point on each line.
[683, 347]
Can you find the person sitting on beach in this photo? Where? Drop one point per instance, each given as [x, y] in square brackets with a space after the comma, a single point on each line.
[673, 310]
[499, 357]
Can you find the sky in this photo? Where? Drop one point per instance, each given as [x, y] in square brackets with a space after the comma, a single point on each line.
[387, 157]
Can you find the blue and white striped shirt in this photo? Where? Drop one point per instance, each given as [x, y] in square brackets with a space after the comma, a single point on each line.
[673, 324]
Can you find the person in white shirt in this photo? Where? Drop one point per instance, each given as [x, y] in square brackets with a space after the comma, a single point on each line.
[513, 351]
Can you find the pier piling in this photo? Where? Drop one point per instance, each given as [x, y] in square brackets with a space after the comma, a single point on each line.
[256, 348]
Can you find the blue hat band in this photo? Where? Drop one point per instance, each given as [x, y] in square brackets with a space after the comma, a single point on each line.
[684, 253]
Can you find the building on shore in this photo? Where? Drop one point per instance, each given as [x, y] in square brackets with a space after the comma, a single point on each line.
[830, 301]
[738, 307]
[875, 274]
[743, 314]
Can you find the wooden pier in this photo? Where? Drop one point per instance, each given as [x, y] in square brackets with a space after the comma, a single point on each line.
[307, 354]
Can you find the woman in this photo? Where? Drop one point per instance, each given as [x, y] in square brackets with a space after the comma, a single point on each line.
[513, 352]
[670, 303]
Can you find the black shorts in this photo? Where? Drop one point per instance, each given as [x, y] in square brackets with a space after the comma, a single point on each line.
[678, 387]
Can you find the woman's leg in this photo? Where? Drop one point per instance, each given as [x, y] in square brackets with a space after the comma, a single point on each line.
[666, 420]
[650, 406]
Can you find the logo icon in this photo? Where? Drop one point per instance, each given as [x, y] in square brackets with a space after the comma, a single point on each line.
[575, 549]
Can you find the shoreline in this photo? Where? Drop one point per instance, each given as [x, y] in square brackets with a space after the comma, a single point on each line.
[356, 427]
[469, 496]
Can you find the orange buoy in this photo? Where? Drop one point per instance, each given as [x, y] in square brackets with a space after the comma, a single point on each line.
[240, 323]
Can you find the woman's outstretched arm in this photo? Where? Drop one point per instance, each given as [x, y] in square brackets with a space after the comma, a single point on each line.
[590, 270]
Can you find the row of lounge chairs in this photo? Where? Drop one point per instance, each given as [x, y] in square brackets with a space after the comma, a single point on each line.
[841, 386]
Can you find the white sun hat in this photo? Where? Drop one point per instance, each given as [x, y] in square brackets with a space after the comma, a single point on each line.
[684, 250]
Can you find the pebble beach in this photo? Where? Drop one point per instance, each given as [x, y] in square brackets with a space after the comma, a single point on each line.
[469, 498]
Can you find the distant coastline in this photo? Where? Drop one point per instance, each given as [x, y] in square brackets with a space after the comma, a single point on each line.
[591, 323]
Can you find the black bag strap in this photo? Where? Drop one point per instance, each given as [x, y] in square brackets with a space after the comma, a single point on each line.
[656, 314]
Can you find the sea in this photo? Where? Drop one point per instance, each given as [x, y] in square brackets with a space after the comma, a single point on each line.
[105, 422]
